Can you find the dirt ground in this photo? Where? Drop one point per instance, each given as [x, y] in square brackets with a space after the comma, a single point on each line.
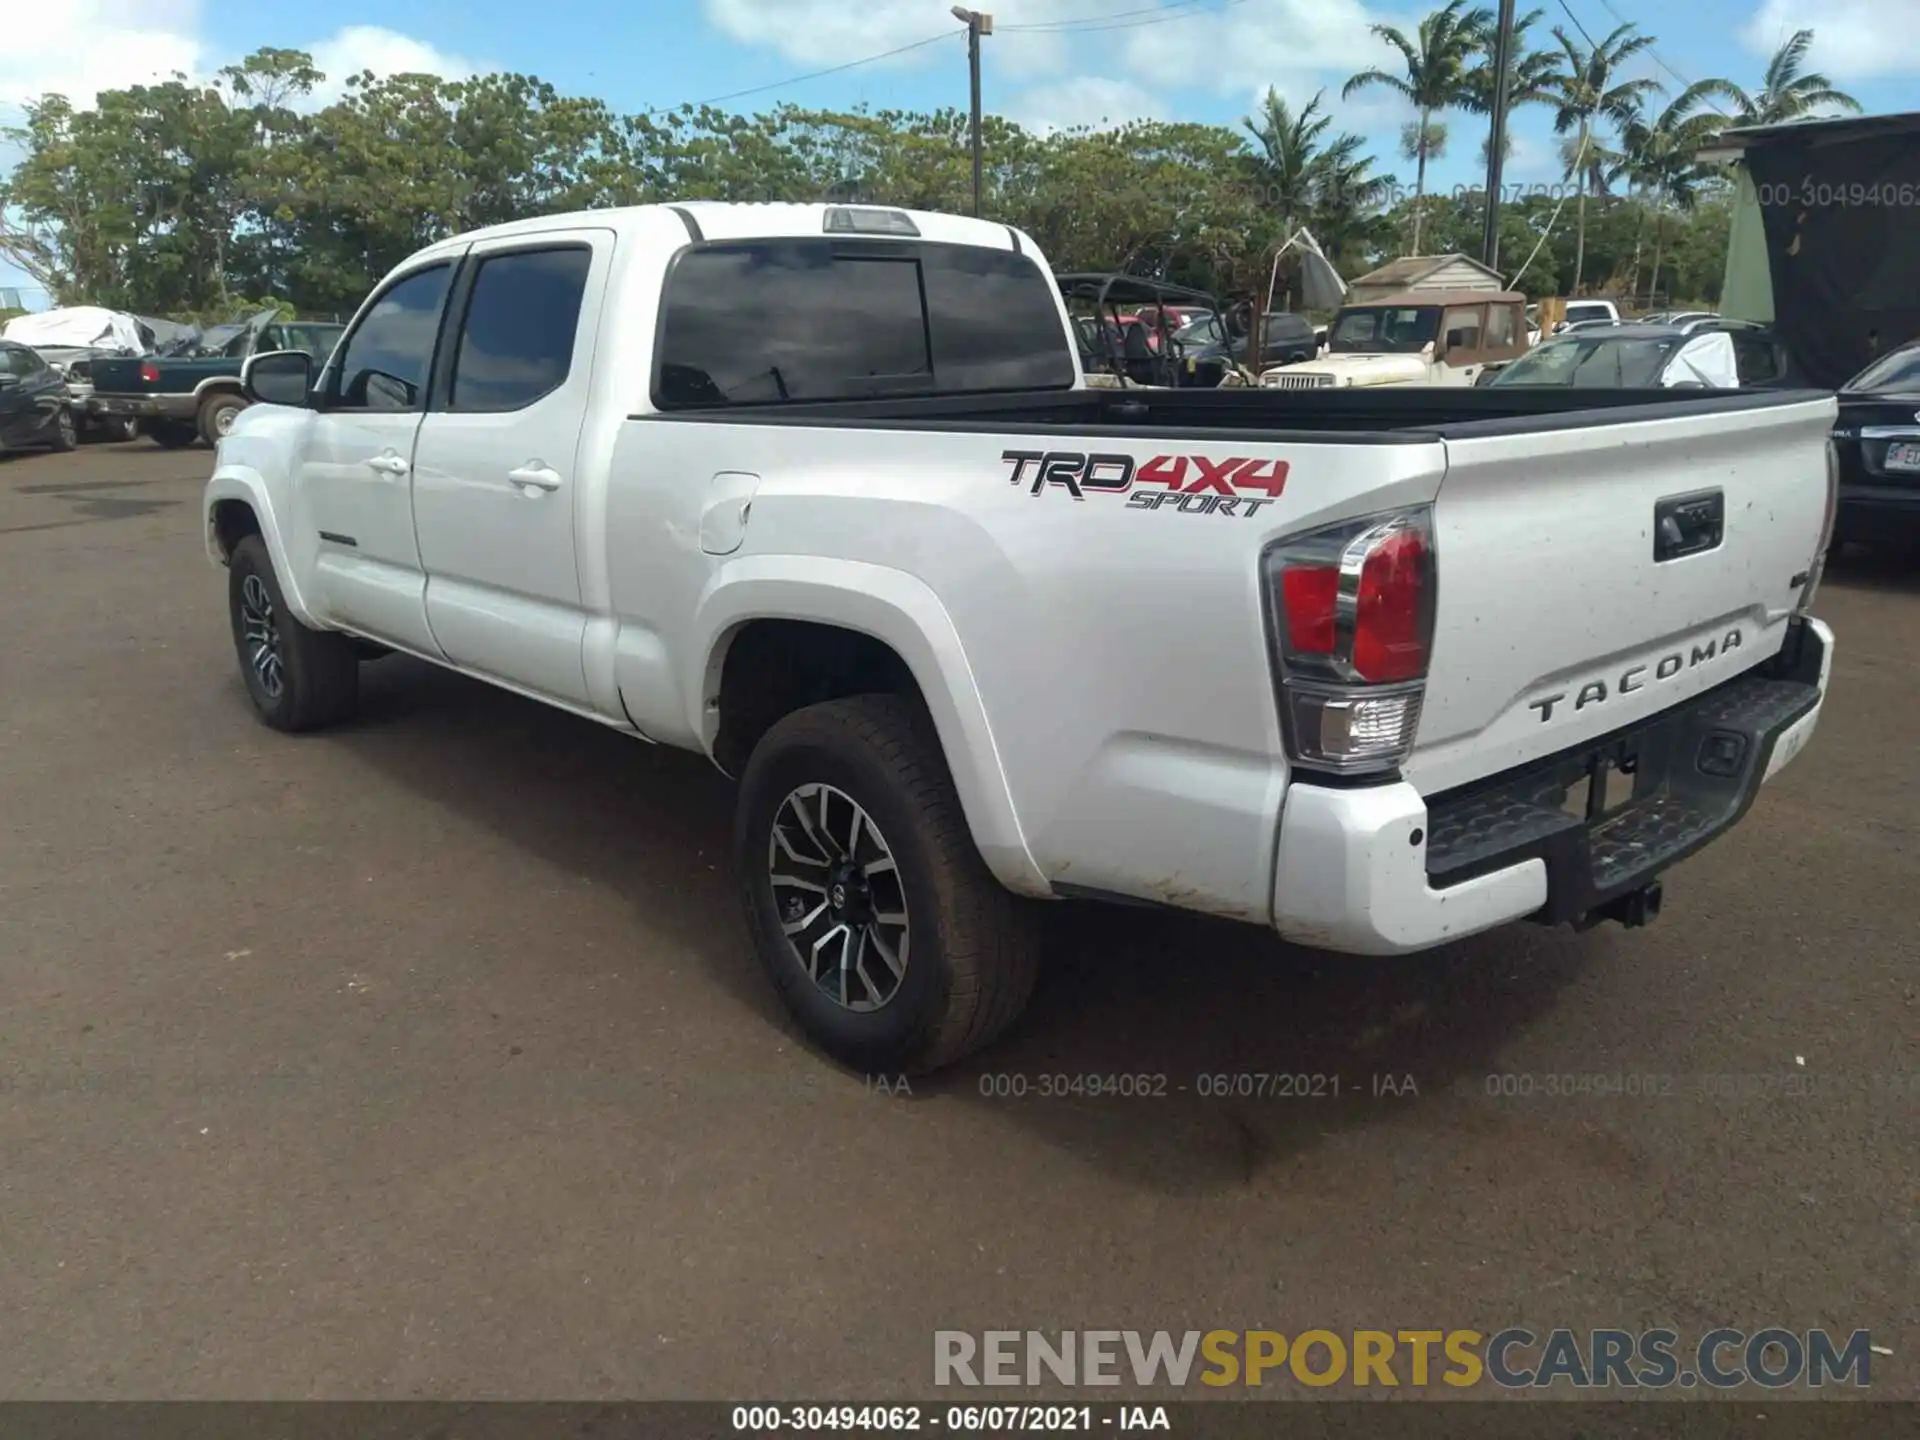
[426, 1057]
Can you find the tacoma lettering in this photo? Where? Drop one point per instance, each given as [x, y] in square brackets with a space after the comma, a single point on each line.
[1596, 692]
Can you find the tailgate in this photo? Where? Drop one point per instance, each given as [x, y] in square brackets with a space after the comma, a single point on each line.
[1581, 588]
[118, 377]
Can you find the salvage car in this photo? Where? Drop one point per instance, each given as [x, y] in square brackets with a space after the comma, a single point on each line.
[1878, 439]
[1716, 353]
[1422, 337]
[70, 339]
[973, 635]
[35, 408]
[178, 399]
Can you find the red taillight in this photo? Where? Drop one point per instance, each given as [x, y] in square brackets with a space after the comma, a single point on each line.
[1390, 621]
[149, 373]
[1353, 617]
[1310, 596]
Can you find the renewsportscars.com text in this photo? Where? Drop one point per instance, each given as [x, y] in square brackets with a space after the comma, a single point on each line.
[1513, 1359]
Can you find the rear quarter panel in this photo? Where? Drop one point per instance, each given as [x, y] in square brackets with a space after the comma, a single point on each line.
[1114, 643]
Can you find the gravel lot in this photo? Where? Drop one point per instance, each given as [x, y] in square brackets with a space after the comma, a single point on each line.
[427, 1058]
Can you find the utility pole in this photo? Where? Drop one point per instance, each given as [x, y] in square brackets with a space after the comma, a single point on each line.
[977, 25]
[1497, 141]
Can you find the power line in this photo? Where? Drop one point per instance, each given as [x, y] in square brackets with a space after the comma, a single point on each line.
[1158, 15]
[1102, 19]
[810, 75]
[1660, 60]
[1592, 44]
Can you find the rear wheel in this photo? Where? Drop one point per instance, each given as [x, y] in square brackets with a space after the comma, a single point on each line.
[880, 925]
[173, 434]
[297, 678]
[217, 414]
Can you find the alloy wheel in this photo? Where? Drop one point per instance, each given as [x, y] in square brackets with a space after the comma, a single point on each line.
[837, 891]
[261, 635]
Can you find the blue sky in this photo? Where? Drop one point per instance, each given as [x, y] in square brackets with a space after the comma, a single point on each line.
[1050, 62]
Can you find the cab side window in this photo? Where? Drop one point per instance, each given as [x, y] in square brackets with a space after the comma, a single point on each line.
[1461, 328]
[516, 340]
[1502, 329]
[1755, 357]
[383, 363]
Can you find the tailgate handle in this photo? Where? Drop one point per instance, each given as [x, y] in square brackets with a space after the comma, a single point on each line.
[1689, 524]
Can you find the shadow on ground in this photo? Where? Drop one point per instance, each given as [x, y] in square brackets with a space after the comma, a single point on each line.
[1184, 1006]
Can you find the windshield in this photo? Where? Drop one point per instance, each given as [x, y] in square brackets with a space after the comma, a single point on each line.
[1612, 363]
[1898, 371]
[1384, 330]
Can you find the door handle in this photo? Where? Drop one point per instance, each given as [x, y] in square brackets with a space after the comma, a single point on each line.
[536, 476]
[387, 464]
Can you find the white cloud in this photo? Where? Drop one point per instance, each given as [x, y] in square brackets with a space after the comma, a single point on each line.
[1295, 46]
[1852, 39]
[1091, 100]
[81, 47]
[385, 52]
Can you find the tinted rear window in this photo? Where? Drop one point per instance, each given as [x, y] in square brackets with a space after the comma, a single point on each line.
[820, 320]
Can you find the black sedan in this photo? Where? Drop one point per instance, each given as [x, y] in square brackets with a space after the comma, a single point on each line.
[35, 406]
[1878, 440]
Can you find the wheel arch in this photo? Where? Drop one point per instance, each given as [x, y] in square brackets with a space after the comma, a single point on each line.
[215, 384]
[236, 504]
[874, 617]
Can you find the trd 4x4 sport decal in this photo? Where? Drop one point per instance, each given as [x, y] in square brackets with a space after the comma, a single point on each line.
[1190, 484]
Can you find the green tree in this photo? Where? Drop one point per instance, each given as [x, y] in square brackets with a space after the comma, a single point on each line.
[1303, 174]
[1591, 93]
[1660, 155]
[1437, 63]
[1788, 91]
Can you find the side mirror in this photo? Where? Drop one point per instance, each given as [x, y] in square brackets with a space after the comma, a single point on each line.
[279, 377]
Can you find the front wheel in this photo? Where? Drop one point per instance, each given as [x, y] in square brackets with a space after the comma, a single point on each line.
[297, 678]
[66, 435]
[879, 923]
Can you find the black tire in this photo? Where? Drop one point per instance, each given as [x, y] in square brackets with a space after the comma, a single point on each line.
[112, 429]
[66, 433]
[216, 415]
[971, 948]
[173, 434]
[318, 671]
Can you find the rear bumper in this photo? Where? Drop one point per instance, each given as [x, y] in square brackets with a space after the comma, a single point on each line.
[145, 407]
[1381, 870]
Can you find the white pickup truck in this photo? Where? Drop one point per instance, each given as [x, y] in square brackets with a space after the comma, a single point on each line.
[819, 491]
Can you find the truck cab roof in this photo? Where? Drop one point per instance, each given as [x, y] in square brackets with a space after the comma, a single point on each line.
[754, 220]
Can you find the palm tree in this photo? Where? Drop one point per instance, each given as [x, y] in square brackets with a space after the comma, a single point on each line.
[1533, 77]
[1436, 80]
[1293, 156]
[1589, 93]
[1310, 178]
[1661, 160]
[1789, 91]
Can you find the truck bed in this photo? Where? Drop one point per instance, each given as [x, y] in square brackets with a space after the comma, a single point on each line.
[1411, 414]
